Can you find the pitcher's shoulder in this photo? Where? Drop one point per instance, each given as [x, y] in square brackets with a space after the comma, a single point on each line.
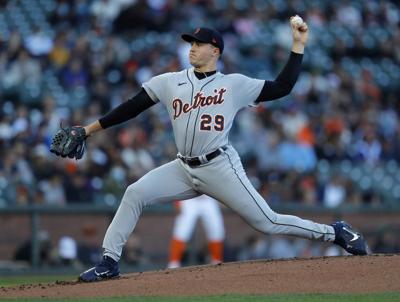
[234, 76]
[179, 74]
[171, 76]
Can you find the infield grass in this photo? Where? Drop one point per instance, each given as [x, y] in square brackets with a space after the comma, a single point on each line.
[383, 297]
[18, 280]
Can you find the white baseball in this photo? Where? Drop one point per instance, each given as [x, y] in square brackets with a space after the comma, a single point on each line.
[297, 21]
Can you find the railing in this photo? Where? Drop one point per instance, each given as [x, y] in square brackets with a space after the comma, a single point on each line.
[36, 211]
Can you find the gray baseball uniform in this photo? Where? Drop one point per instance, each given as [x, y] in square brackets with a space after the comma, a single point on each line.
[202, 113]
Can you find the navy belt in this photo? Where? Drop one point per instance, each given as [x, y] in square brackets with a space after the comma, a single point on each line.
[200, 160]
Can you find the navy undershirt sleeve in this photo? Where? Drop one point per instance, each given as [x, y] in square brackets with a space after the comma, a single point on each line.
[127, 110]
[285, 81]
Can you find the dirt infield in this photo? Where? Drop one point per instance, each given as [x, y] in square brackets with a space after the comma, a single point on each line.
[374, 273]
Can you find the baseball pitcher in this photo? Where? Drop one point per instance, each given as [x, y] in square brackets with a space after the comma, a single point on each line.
[202, 103]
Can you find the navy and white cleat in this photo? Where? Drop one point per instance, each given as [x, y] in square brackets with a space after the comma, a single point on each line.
[107, 269]
[352, 241]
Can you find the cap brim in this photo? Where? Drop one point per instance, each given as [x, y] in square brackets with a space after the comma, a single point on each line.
[190, 38]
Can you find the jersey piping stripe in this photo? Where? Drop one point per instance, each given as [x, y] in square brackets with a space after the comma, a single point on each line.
[289, 225]
[197, 116]
[191, 101]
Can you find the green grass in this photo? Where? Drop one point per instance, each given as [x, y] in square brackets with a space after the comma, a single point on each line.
[385, 297]
[18, 280]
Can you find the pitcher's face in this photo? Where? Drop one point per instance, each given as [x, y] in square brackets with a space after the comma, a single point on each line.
[202, 54]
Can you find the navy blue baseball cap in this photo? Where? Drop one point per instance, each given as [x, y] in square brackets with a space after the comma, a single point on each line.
[206, 35]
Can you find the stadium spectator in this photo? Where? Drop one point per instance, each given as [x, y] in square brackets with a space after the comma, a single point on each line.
[81, 58]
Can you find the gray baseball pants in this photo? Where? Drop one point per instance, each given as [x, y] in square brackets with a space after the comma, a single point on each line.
[224, 179]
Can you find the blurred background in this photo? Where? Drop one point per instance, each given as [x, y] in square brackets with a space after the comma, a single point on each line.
[330, 150]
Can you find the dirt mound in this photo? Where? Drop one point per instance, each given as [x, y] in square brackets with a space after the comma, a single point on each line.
[352, 274]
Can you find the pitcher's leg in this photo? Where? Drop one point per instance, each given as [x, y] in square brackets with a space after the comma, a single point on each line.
[230, 185]
[166, 183]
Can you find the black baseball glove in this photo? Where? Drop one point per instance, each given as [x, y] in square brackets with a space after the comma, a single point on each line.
[69, 142]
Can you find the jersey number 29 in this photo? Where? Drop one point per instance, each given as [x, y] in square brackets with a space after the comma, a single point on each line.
[206, 121]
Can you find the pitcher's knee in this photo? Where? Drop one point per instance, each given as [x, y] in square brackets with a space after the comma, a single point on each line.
[133, 197]
[267, 224]
[265, 227]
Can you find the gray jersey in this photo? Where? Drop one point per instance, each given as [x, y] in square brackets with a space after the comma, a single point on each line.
[202, 111]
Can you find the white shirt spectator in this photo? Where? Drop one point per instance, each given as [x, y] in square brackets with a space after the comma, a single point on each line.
[108, 10]
[53, 190]
[6, 131]
[67, 248]
[39, 43]
[334, 193]
[370, 151]
[22, 70]
[293, 121]
[349, 15]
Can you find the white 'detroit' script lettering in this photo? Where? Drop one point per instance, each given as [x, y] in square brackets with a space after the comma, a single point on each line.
[200, 100]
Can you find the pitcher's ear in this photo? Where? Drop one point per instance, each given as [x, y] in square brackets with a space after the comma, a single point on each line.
[217, 51]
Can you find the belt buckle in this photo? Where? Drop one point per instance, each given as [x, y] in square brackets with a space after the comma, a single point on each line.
[186, 160]
[202, 159]
[181, 157]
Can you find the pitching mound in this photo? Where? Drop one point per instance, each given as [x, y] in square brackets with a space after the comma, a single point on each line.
[352, 274]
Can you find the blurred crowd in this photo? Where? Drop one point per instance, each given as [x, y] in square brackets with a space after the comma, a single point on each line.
[66, 251]
[72, 61]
